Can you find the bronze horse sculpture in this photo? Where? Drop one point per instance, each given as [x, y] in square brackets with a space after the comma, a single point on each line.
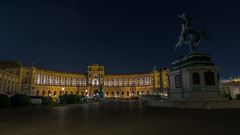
[189, 35]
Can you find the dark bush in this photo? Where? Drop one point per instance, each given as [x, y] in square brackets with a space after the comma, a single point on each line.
[20, 100]
[69, 99]
[134, 98]
[227, 95]
[238, 96]
[47, 100]
[4, 101]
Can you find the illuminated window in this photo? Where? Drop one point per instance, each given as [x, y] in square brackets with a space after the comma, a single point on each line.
[127, 93]
[55, 93]
[43, 93]
[37, 93]
[122, 93]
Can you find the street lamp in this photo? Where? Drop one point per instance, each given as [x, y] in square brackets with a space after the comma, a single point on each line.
[62, 91]
[86, 91]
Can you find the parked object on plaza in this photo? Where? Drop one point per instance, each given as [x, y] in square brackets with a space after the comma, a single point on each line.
[37, 100]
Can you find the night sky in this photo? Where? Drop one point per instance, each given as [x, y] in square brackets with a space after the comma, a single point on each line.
[124, 36]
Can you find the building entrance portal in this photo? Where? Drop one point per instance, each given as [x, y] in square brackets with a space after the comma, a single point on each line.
[95, 81]
[95, 93]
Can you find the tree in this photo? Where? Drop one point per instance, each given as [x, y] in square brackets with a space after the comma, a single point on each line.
[20, 100]
[238, 96]
[69, 99]
[47, 100]
[227, 95]
[4, 101]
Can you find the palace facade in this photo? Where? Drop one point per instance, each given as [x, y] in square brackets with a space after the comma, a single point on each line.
[39, 82]
[9, 83]
[231, 86]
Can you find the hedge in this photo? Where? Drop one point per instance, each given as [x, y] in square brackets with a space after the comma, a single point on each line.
[20, 100]
[227, 96]
[238, 96]
[69, 99]
[47, 100]
[4, 101]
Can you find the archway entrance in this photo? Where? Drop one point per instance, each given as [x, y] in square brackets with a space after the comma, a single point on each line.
[95, 93]
[112, 94]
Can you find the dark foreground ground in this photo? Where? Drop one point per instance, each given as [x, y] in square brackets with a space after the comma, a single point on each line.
[117, 119]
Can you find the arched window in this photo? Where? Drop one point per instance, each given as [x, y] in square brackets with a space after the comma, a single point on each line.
[122, 93]
[196, 78]
[55, 93]
[133, 92]
[60, 92]
[82, 93]
[209, 78]
[117, 93]
[112, 94]
[49, 93]
[43, 93]
[148, 92]
[95, 92]
[107, 94]
[127, 93]
[37, 93]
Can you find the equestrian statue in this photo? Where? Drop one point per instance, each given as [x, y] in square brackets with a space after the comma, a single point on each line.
[189, 35]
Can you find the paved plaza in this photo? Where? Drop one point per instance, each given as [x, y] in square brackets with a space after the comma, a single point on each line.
[127, 118]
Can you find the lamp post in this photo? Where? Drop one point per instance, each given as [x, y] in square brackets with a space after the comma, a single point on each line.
[63, 90]
[86, 91]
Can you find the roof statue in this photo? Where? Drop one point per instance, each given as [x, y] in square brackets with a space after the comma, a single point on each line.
[190, 35]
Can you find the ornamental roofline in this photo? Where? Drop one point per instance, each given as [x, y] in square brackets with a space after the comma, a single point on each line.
[61, 72]
[19, 64]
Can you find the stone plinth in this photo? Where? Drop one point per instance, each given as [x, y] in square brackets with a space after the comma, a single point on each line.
[194, 77]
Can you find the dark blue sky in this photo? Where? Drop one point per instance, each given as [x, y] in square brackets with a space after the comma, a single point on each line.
[125, 36]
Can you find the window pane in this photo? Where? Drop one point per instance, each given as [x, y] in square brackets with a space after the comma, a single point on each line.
[196, 78]
[177, 81]
[209, 78]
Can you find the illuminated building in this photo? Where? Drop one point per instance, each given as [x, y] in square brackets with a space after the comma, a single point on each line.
[9, 83]
[231, 86]
[40, 82]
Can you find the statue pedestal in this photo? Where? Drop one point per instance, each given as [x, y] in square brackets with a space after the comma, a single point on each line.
[194, 78]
